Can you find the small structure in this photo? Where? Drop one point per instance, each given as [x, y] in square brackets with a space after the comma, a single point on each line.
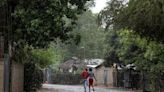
[103, 74]
[72, 65]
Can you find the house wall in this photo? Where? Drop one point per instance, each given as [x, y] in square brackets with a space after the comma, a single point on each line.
[110, 78]
[17, 79]
[100, 75]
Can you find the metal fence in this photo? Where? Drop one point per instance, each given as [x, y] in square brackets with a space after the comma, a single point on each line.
[137, 80]
[56, 77]
[152, 83]
[65, 78]
[128, 79]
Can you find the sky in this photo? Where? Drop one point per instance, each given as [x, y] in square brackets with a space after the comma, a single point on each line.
[100, 4]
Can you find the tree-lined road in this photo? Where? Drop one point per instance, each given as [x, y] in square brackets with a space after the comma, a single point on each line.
[71, 88]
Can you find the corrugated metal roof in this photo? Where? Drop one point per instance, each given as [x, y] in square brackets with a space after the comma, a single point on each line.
[93, 63]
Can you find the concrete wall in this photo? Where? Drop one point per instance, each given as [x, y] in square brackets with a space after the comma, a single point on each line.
[100, 75]
[1, 76]
[1, 47]
[110, 78]
[1, 62]
[17, 78]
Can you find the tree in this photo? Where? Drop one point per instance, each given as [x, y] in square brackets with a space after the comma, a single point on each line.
[39, 22]
[111, 55]
[92, 41]
[143, 17]
[46, 57]
[146, 55]
[108, 17]
[139, 27]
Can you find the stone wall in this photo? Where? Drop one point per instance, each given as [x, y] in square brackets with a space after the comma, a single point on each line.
[17, 78]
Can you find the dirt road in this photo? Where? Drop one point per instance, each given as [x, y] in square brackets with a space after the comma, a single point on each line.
[71, 88]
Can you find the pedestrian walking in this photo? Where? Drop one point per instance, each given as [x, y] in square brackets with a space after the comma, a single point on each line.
[85, 75]
[90, 79]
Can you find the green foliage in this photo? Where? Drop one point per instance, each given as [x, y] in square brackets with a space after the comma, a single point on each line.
[143, 17]
[38, 23]
[92, 38]
[21, 54]
[43, 57]
[111, 55]
[108, 16]
[145, 49]
[2, 2]
[33, 77]
[135, 49]
[131, 48]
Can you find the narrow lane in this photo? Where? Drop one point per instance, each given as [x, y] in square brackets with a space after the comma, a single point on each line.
[72, 88]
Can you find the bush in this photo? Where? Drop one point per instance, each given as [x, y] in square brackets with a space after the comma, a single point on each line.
[33, 77]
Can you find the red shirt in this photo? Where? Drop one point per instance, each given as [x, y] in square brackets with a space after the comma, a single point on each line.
[84, 74]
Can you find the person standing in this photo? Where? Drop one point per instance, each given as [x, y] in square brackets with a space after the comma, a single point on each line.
[85, 75]
[90, 79]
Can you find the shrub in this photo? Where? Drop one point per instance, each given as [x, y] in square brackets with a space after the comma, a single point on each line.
[33, 77]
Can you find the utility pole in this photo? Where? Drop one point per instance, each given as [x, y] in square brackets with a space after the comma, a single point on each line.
[7, 47]
[83, 52]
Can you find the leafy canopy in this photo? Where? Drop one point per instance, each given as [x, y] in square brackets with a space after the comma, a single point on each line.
[92, 44]
[39, 22]
[143, 17]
